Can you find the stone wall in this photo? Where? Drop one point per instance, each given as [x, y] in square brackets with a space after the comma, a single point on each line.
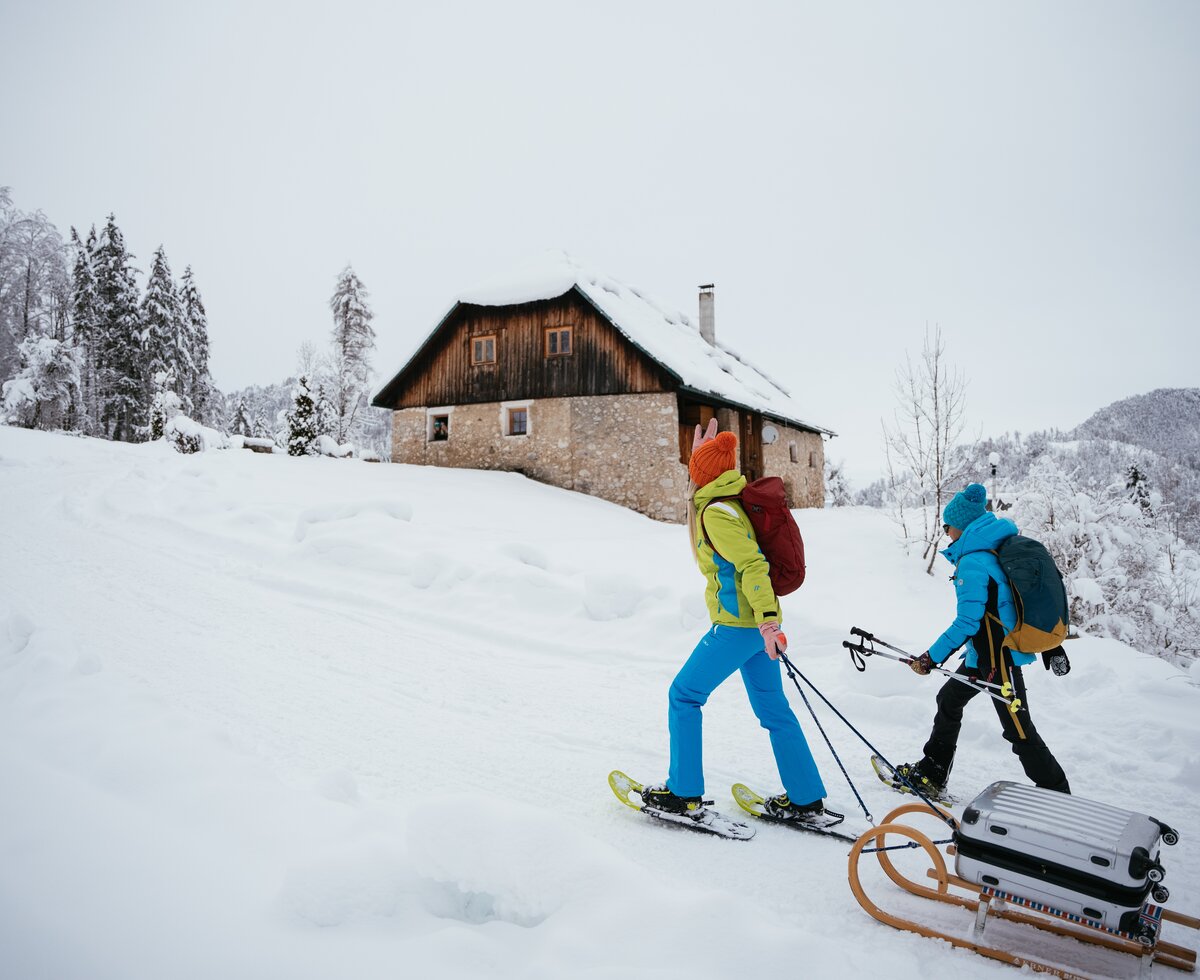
[622, 448]
[798, 457]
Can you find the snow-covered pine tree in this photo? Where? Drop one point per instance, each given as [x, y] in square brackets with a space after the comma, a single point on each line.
[241, 424]
[120, 355]
[350, 362]
[166, 351]
[302, 421]
[326, 419]
[1139, 492]
[85, 324]
[196, 384]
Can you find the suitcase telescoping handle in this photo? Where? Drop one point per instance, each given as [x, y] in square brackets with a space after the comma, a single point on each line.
[866, 647]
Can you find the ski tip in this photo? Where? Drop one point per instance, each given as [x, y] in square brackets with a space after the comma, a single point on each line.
[747, 799]
[622, 785]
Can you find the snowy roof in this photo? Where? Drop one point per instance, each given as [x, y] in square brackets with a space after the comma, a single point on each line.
[670, 338]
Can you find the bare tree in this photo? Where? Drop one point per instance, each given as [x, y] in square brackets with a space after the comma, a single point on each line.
[924, 468]
[33, 280]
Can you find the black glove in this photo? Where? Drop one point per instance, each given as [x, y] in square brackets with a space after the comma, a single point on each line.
[1056, 660]
[921, 665]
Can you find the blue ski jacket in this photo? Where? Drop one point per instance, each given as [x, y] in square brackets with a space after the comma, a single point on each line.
[974, 567]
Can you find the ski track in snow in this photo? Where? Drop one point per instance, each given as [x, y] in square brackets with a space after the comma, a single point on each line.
[347, 717]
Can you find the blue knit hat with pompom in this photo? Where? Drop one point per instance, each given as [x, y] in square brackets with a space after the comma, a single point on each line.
[965, 506]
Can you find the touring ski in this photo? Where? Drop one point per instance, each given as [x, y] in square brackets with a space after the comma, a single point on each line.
[706, 820]
[752, 803]
[888, 776]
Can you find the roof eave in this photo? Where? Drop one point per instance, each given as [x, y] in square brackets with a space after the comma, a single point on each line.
[381, 400]
[773, 416]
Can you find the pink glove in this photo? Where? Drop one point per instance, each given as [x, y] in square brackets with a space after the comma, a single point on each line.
[774, 641]
[700, 438]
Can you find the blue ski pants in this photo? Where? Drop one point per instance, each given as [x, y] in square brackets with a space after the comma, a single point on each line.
[721, 651]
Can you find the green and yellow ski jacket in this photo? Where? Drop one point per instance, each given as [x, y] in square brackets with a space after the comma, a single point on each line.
[738, 591]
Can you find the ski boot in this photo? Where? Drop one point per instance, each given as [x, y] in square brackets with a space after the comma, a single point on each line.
[658, 797]
[812, 815]
[922, 775]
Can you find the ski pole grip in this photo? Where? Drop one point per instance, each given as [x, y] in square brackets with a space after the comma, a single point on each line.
[855, 631]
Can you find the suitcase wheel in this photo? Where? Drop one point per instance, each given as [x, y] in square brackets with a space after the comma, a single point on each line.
[1170, 835]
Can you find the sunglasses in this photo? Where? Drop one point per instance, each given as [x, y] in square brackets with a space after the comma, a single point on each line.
[945, 528]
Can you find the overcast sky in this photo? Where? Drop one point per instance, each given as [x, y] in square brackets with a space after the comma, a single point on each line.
[1024, 174]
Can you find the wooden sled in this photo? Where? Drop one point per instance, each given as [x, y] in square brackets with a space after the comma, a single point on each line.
[988, 903]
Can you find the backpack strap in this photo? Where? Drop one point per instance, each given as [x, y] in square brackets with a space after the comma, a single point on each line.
[703, 510]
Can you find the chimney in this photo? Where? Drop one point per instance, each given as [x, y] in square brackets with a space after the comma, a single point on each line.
[708, 317]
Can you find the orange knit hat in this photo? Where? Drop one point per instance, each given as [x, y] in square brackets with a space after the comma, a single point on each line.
[713, 458]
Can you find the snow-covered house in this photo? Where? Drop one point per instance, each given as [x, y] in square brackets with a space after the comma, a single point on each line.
[580, 381]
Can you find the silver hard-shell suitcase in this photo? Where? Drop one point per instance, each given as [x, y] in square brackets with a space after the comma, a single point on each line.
[1074, 855]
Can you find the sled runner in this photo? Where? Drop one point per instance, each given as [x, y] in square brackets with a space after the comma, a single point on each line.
[1000, 893]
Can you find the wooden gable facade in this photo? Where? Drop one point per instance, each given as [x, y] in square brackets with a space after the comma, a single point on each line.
[600, 360]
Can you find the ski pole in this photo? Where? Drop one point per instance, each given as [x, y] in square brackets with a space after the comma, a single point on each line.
[792, 673]
[982, 686]
[860, 650]
[908, 658]
[854, 789]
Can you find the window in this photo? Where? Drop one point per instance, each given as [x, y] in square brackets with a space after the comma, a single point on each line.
[518, 421]
[483, 350]
[439, 428]
[794, 452]
[558, 341]
[812, 460]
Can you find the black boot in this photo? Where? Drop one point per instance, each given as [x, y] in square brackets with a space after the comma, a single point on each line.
[658, 797]
[926, 776]
[812, 814]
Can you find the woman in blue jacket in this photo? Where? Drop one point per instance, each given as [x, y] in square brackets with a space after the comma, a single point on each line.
[986, 613]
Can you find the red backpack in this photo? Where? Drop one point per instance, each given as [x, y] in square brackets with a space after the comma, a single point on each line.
[765, 503]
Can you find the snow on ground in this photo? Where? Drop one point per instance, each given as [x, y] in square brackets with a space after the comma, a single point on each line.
[264, 716]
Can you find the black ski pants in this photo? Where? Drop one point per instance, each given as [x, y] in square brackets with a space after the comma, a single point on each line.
[996, 666]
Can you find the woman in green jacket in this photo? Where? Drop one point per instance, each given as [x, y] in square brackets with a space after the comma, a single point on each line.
[745, 636]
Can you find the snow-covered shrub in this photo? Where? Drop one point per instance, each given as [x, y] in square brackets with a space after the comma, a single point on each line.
[46, 392]
[837, 486]
[166, 404]
[328, 446]
[189, 436]
[1127, 575]
[185, 441]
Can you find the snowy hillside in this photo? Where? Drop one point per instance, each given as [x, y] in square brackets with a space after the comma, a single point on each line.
[1166, 420]
[274, 717]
